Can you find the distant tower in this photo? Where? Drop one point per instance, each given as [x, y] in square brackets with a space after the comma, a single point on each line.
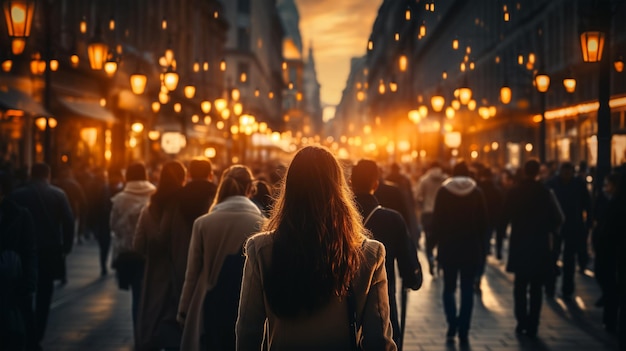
[311, 89]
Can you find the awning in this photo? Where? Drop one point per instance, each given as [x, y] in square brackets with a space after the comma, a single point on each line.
[88, 109]
[14, 99]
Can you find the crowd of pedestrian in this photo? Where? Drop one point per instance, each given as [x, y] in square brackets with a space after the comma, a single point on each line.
[306, 255]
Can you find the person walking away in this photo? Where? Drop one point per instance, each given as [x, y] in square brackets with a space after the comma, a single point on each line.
[459, 227]
[427, 189]
[535, 216]
[610, 225]
[314, 280]
[404, 183]
[164, 246]
[494, 200]
[198, 194]
[100, 192]
[18, 269]
[125, 209]
[76, 197]
[210, 298]
[388, 227]
[54, 236]
[575, 202]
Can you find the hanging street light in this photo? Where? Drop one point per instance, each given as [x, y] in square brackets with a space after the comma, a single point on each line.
[97, 50]
[190, 91]
[19, 17]
[110, 66]
[542, 81]
[569, 84]
[138, 83]
[170, 78]
[592, 45]
[619, 64]
[506, 94]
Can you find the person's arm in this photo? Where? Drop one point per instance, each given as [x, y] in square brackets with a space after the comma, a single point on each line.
[67, 223]
[140, 240]
[408, 262]
[28, 253]
[376, 332]
[195, 262]
[251, 316]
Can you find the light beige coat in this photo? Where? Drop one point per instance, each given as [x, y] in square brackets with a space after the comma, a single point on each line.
[327, 329]
[221, 232]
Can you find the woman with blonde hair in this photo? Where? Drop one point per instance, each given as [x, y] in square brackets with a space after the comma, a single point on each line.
[208, 304]
[314, 281]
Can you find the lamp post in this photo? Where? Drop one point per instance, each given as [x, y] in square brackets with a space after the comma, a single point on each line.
[542, 83]
[592, 41]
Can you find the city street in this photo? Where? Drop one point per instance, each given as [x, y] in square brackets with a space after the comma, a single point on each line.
[91, 313]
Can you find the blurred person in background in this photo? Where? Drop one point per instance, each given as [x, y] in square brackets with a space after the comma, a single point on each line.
[18, 269]
[312, 266]
[54, 234]
[198, 194]
[210, 297]
[427, 189]
[388, 227]
[164, 246]
[125, 210]
[404, 183]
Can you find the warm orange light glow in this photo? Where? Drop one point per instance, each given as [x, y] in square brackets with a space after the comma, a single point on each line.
[506, 94]
[381, 87]
[137, 127]
[205, 106]
[220, 104]
[74, 60]
[170, 79]
[190, 91]
[138, 83]
[178, 107]
[455, 44]
[465, 95]
[619, 65]
[569, 84]
[156, 106]
[542, 82]
[97, 51]
[402, 63]
[592, 45]
[437, 102]
[235, 94]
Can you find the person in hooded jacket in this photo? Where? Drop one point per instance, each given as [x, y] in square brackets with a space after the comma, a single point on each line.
[459, 229]
[126, 207]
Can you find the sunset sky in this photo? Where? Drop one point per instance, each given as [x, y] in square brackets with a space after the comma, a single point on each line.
[339, 30]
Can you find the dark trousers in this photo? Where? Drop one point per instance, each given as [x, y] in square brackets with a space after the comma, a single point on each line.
[450, 275]
[427, 225]
[104, 243]
[622, 305]
[555, 271]
[574, 246]
[525, 286]
[606, 275]
[43, 299]
[500, 236]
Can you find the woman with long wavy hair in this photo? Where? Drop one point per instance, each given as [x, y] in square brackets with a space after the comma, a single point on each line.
[158, 239]
[208, 304]
[313, 268]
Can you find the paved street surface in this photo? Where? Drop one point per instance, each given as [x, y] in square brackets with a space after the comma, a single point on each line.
[90, 313]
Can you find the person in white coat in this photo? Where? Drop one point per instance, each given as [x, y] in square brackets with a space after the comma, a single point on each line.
[210, 296]
[125, 210]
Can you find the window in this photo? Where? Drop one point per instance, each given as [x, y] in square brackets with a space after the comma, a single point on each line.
[243, 38]
[243, 6]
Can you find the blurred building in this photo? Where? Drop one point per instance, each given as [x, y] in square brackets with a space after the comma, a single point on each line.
[474, 44]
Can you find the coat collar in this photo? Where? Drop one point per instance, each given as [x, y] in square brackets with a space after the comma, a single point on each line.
[236, 203]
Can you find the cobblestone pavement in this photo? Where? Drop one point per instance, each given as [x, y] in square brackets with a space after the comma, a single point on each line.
[91, 313]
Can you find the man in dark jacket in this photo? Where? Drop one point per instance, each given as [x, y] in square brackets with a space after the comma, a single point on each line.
[54, 234]
[198, 194]
[18, 270]
[388, 227]
[534, 215]
[575, 202]
[459, 229]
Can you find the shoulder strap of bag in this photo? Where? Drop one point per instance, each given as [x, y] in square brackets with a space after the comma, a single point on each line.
[371, 214]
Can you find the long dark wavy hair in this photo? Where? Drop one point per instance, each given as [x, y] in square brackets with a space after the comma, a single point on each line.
[235, 180]
[171, 180]
[317, 236]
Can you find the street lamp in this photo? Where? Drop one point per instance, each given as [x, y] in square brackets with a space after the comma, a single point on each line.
[170, 78]
[505, 94]
[592, 45]
[97, 50]
[19, 17]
